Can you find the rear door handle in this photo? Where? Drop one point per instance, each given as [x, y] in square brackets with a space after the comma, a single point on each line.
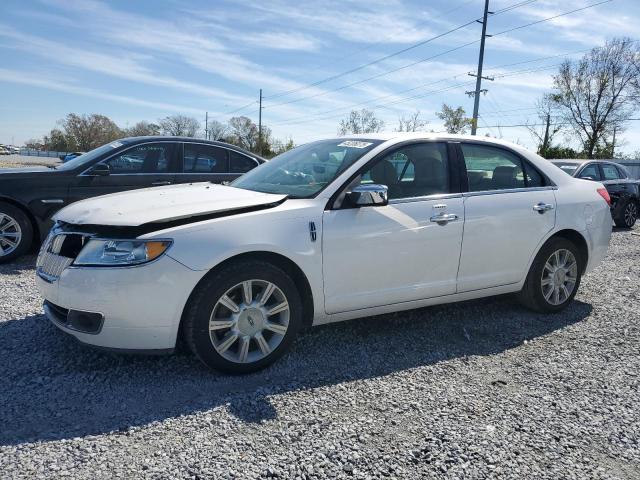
[157, 184]
[542, 207]
[444, 218]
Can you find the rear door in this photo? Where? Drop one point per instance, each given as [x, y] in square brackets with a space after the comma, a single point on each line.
[143, 165]
[204, 163]
[508, 211]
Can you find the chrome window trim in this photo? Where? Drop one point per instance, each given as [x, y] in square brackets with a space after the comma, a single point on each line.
[509, 190]
[84, 173]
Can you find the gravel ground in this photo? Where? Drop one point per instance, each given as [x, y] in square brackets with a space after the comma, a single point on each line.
[16, 161]
[474, 390]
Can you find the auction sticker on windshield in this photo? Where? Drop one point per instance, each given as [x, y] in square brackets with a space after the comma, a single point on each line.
[355, 144]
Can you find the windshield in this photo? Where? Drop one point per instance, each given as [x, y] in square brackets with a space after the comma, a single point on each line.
[305, 170]
[89, 156]
[566, 167]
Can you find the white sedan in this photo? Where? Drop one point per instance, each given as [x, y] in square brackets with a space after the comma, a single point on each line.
[329, 231]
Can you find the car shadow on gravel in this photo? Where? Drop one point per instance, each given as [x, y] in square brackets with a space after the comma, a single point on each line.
[53, 388]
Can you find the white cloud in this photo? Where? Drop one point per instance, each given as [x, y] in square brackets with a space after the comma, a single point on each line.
[40, 80]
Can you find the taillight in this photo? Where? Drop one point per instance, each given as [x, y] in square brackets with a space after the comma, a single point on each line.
[604, 194]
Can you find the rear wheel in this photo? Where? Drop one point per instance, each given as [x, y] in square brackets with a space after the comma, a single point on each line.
[628, 215]
[243, 317]
[554, 277]
[16, 232]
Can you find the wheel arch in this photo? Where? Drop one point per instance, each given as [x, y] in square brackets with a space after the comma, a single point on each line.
[578, 240]
[24, 209]
[279, 260]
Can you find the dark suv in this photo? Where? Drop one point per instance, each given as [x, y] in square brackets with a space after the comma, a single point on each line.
[623, 190]
[30, 196]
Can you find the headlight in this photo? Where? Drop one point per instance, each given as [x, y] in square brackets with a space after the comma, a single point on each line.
[121, 252]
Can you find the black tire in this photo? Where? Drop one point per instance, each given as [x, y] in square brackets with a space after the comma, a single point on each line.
[217, 283]
[627, 215]
[26, 232]
[531, 295]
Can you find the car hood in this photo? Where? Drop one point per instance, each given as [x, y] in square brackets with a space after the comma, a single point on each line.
[194, 201]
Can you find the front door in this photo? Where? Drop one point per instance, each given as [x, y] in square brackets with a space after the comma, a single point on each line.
[401, 252]
[508, 211]
[143, 165]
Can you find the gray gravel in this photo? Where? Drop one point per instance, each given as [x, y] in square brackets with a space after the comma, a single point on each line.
[475, 390]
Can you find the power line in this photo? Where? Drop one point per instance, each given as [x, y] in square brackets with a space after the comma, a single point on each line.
[390, 55]
[382, 74]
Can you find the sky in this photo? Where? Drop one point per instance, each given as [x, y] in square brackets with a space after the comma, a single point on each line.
[315, 61]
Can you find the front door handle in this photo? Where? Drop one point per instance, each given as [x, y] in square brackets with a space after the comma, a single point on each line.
[444, 218]
[542, 207]
[157, 184]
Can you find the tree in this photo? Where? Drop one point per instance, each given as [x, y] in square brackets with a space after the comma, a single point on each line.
[243, 133]
[57, 141]
[278, 146]
[363, 121]
[217, 130]
[33, 144]
[547, 113]
[87, 132]
[179, 126]
[143, 129]
[455, 120]
[598, 94]
[411, 123]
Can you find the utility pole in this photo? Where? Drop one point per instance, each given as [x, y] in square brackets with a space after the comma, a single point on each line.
[476, 100]
[260, 124]
[206, 125]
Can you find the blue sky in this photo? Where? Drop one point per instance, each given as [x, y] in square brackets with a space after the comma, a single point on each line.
[142, 60]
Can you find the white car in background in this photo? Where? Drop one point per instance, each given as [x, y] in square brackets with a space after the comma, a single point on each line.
[332, 230]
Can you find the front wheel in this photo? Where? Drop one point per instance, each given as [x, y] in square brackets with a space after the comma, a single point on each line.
[243, 317]
[554, 277]
[628, 215]
[16, 232]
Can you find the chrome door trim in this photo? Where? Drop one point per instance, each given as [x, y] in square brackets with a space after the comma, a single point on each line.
[509, 190]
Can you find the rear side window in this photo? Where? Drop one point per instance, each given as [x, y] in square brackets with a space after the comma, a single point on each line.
[590, 172]
[240, 163]
[609, 172]
[145, 158]
[200, 158]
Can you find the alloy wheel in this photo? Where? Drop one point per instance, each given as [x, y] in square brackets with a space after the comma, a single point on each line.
[10, 234]
[630, 214]
[249, 321]
[559, 277]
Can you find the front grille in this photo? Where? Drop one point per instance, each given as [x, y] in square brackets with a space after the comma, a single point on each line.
[57, 253]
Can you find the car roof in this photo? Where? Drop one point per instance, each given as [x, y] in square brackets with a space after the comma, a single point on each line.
[133, 140]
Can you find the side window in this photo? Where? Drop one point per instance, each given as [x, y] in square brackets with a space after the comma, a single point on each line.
[591, 172]
[240, 163]
[200, 158]
[609, 172]
[622, 171]
[146, 158]
[490, 168]
[412, 171]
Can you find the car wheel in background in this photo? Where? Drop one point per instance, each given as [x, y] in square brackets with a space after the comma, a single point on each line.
[628, 215]
[243, 317]
[554, 277]
[16, 232]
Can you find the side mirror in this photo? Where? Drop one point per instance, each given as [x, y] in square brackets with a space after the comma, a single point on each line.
[100, 170]
[368, 195]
